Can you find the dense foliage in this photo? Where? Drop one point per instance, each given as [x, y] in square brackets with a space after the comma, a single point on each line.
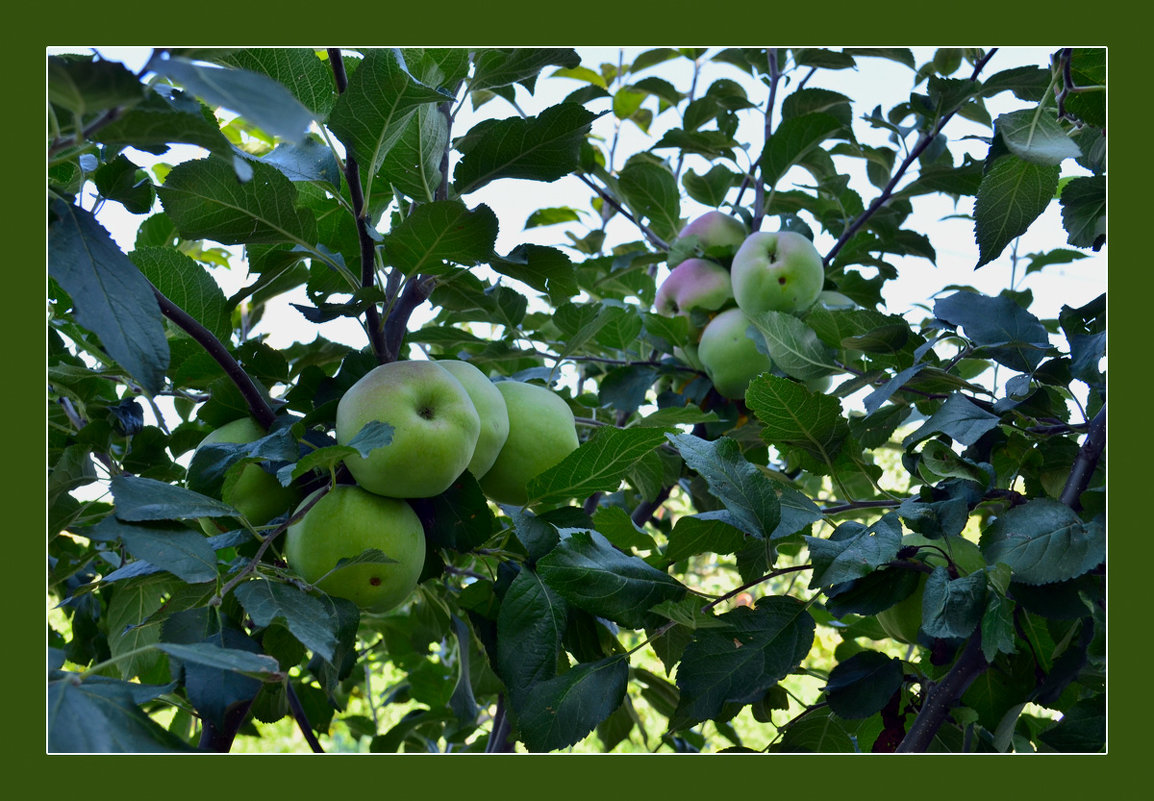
[703, 573]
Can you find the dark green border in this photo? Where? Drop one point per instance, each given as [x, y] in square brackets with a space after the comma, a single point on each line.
[672, 22]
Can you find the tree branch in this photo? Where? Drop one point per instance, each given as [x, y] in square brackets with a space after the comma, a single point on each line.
[415, 293]
[759, 189]
[653, 238]
[943, 696]
[253, 396]
[499, 735]
[368, 249]
[1086, 461]
[917, 150]
[302, 719]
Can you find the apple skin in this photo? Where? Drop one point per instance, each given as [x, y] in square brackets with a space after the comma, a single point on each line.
[435, 428]
[345, 522]
[776, 272]
[729, 357]
[903, 620]
[490, 404]
[542, 432]
[256, 494]
[716, 229]
[693, 284]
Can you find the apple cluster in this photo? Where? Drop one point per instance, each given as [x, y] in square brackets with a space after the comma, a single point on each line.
[447, 417]
[780, 271]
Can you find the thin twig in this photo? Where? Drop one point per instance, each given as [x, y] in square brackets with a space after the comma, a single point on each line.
[261, 410]
[924, 142]
[1086, 460]
[302, 719]
[368, 249]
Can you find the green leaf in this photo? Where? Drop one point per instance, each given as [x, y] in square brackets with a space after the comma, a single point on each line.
[675, 416]
[588, 572]
[953, 607]
[854, 550]
[1009, 334]
[97, 717]
[818, 731]
[121, 180]
[543, 268]
[1083, 203]
[958, 418]
[1088, 69]
[793, 346]
[541, 148]
[651, 191]
[112, 299]
[230, 659]
[462, 520]
[560, 712]
[309, 620]
[86, 86]
[498, 67]
[413, 163]
[598, 465]
[187, 284]
[711, 188]
[795, 418]
[1035, 136]
[704, 533]
[748, 494]
[165, 117]
[901, 55]
[372, 113]
[1027, 83]
[794, 140]
[863, 684]
[738, 663]
[440, 232]
[1013, 193]
[131, 606]
[299, 69]
[140, 499]
[809, 101]
[204, 200]
[529, 628]
[618, 527]
[256, 97]
[1044, 541]
[1082, 728]
[311, 160]
[185, 553]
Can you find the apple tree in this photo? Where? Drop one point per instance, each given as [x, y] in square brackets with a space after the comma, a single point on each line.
[711, 567]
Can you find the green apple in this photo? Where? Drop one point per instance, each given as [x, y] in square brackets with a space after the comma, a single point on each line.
[776, 272]
[542, 432]
[716, 229]
[693, 284]
[256, 493]
[491, 408]
[435, 428]
[903, 620]
[345, 523]
[730, 358]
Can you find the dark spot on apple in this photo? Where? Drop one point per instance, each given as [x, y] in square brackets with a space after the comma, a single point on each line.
[375, 581]
[781, 280]
[426, 413]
